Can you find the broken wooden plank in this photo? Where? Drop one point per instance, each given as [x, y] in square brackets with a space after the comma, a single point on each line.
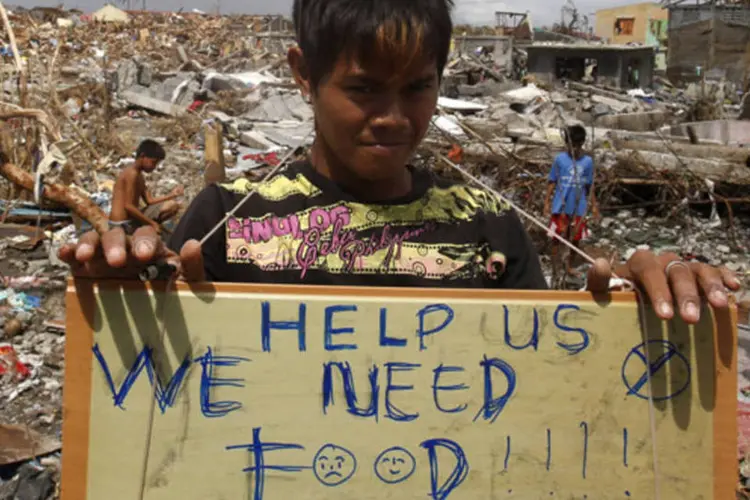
[20, 444]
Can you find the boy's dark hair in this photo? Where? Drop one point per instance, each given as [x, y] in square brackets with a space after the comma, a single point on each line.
[150, 149]
[575, 135]
[397, 31]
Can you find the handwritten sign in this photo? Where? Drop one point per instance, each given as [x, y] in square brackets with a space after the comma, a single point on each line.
[271, 392]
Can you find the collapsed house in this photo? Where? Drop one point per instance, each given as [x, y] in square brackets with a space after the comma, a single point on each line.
[618, 66]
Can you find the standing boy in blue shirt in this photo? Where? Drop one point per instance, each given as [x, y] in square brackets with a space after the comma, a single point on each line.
[570, 182]
[355, 212]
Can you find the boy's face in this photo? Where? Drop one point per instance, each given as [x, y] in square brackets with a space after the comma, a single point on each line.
[371, 117]
[148, 164]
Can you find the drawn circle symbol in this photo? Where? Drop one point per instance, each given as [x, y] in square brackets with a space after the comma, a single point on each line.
[419, 269]
[372, 216]
[395, 465]
[334, 465]
[664, 356]
[243, 252]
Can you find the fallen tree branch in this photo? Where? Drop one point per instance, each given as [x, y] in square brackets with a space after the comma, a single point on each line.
[76, 201]
[36, 114]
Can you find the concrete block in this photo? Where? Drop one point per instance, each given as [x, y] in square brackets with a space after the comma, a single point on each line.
[151, 103]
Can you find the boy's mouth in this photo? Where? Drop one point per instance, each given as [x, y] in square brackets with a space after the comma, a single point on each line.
[385, 147]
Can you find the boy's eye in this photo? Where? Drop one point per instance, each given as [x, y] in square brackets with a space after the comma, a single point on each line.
[420, 86]
[362, 89]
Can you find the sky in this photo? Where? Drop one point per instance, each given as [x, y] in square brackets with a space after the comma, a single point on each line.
[543, 12]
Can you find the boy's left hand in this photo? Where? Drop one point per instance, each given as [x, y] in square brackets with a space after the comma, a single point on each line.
[684, 284]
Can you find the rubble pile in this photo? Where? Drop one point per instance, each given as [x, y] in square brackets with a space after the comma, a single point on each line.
[215, 91]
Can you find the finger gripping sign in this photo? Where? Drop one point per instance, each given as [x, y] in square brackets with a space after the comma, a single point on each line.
[274, 392]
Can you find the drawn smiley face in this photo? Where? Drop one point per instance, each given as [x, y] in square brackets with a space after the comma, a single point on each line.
[395, 465]
[334, 465]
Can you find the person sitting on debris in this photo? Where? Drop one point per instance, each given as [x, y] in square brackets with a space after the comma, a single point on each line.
[130, 189]
[355, 212]
[570, 182]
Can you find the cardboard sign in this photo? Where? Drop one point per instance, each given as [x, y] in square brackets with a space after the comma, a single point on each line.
[273, 392]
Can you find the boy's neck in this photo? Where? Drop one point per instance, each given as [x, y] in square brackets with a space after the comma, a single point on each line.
[325, 163]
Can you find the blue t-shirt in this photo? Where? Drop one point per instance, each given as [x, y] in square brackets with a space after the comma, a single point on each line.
[573, 180]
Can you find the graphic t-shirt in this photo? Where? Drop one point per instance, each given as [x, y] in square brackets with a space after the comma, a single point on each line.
[573, 178]
[300, 227]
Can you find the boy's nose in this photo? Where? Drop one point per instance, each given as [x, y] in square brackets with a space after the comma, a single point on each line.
[391, 114]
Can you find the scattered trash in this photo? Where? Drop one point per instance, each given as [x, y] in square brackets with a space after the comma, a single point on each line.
[9, 363]
[19, 444]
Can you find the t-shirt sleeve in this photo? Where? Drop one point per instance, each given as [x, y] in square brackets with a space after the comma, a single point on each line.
[506, 234]
[553, 173]
[202, 215]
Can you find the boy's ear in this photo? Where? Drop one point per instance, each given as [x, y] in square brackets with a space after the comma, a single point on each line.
[297, 63]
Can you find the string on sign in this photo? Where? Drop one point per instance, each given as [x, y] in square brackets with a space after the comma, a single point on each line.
[162, 315]
[639, 296]
[522, 212]
[171, 282]
[277, 168]
[283, 163]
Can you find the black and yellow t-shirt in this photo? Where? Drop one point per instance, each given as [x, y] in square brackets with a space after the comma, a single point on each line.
[302, 228]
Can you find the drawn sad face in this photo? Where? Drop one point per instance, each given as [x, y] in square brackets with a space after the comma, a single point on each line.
[395, 465]
[334, 465]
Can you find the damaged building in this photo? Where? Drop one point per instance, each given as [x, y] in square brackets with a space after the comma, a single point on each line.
[618, 66]
[708, 36]
[641, 24]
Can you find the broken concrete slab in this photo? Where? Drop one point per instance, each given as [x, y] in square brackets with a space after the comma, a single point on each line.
[145, 75]
[594, 90]
[256, 140]
[615, 104]
[459, 105]
[728, 132]
[289, 134]
[127, 75]
[449, 125]
[526, 95]
[151, 103]
[280, 107]
[717, 171]
[636, 122]
[715, 152]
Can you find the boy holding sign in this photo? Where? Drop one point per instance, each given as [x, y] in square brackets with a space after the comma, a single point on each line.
[355, 212]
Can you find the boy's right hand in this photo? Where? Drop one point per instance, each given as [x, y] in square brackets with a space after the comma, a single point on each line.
[114, 255]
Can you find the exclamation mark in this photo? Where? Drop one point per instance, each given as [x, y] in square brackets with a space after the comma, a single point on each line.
[625, 447]
[549, 448]
[507, 452]
[585, 427]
